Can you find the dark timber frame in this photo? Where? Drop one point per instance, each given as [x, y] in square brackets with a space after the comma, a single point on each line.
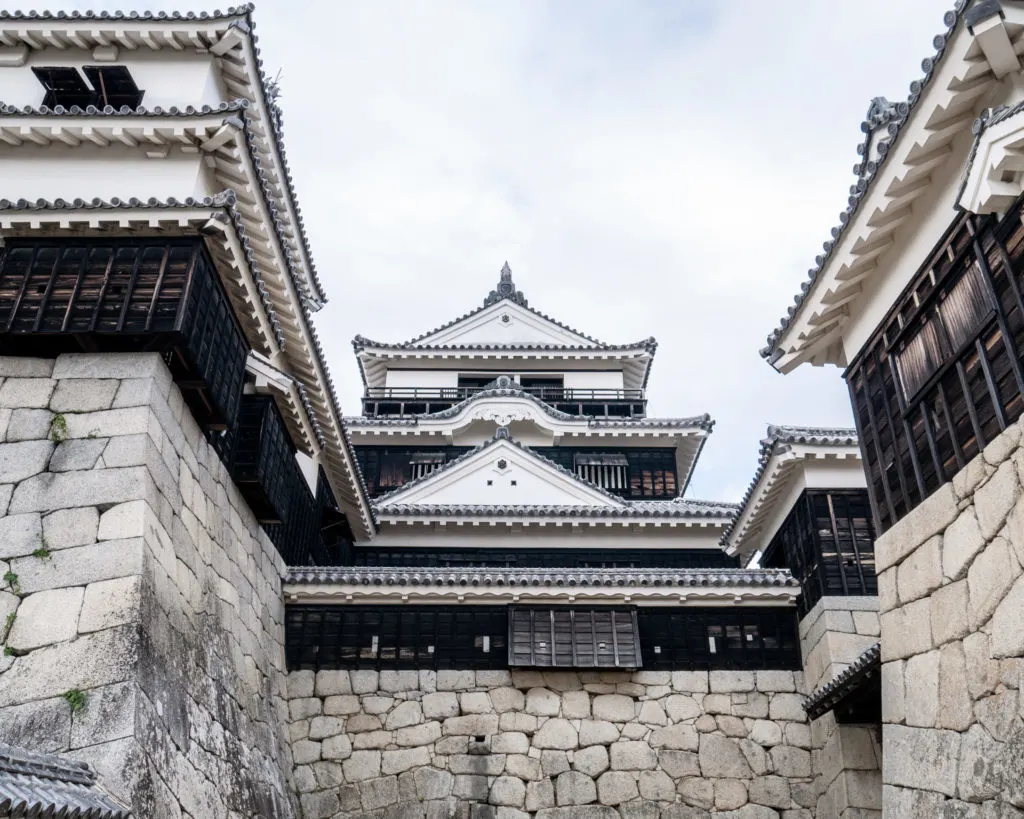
[943, 375]
[451, 637]
[828, 542]
[127, 295]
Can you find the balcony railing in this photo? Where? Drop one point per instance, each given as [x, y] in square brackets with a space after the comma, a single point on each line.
[391, 402]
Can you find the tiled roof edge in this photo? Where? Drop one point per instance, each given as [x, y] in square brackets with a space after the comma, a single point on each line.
[780, 434]
[892, 117]
[386, 575]
[822, 699]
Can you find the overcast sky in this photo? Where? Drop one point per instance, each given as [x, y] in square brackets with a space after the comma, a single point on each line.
[646, 168]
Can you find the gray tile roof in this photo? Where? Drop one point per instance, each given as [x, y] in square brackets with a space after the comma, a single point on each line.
[389, 576]
[124, 111]
[360, 343]
[51, 787]
[885, 121]
[829, 436]
[216, 14]
[827, 696]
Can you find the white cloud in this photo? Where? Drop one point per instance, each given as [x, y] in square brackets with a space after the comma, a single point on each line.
[647, 168]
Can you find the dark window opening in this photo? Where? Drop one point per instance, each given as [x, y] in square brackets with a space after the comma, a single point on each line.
[111, 85]
[64, 86]
[943, 374]
[114, 86]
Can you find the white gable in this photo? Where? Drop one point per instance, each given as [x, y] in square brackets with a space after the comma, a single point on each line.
[502, 474]
[505, 322]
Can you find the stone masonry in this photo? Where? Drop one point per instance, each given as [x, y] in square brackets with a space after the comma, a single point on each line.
[847, 759]
[951, 593]
[554, 745]
[141, 609]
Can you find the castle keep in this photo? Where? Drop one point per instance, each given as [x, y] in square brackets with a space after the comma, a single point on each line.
[487, 592]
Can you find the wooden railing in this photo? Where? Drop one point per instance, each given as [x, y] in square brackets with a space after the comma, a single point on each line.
[385, 402]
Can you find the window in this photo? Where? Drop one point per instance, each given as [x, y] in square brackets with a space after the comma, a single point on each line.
[64, 86]
[943, 330]
[573, 638]
[111, 85]
[608, 470]
[114, 86]
[424, 463]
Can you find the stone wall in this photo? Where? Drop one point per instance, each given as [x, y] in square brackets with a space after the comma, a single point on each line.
[557, 745]
[834, 633]
[142, 614]
[847, 759]
[951, 593]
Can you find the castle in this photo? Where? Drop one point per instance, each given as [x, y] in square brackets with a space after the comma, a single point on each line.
[487, 593]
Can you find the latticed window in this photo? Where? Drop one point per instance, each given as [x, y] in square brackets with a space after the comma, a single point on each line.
[573, 638]
[425, 463]
[607, 470]
[942, 376]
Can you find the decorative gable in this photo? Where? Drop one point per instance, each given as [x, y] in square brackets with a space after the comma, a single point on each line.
[501, 473]
[505, 318]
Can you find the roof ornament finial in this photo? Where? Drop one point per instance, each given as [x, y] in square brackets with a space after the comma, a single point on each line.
[506, 290]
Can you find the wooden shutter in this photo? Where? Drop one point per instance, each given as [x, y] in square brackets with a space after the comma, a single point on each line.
[573, 638]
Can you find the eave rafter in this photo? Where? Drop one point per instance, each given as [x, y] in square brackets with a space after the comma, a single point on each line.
[903, 149]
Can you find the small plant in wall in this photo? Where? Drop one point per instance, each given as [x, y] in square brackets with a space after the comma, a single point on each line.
[8, 651]
[58, 428]
[8, 624]
[11, 579]
[76, 699]
[43, 552]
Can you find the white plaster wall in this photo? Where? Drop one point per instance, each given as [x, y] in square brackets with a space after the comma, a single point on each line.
[168, 79]
[87, 172]
[422, 378]
[611, 380]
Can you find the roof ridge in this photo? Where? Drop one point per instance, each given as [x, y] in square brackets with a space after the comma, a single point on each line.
[155, 16]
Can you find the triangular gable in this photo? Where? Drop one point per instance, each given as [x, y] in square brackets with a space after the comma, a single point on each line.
[505, 318]
[505, 322]
[501, 473]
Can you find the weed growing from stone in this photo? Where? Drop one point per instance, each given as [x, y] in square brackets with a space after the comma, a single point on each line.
[76, 699]
[58, 428]
[10, 622]
[8, 651]
[42, 553]
[11, 579]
